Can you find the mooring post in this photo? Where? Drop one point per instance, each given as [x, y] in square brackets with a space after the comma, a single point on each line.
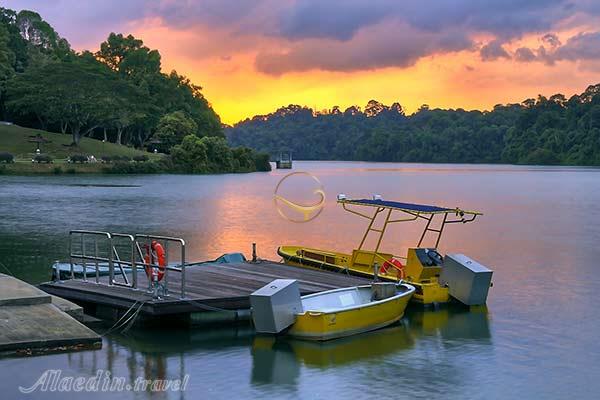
[96, 259]
[133, 264]
[182, 269]
[111, 265]
[71, 254]
[254, 252]
[83, 263]
[375, 272]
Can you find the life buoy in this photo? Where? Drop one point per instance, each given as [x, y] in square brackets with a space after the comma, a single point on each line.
[393, 263]
[155, 254]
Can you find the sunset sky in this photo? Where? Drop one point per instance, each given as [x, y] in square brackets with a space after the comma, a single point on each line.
[252, 57]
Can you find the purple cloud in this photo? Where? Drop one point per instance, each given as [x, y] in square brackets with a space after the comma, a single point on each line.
[584, 46]
[551, 39]
[382, 46]
[82, 23]
[524, 54]
[340, 35]
[493, 51]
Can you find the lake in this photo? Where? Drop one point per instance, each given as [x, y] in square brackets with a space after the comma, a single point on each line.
[537, 338]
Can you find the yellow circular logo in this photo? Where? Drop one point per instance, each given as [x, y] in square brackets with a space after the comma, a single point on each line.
[295, 210]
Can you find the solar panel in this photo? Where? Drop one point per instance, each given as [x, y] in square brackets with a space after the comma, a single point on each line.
[402, 206]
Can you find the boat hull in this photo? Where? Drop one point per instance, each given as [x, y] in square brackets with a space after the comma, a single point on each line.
[333, 324]
[427, 292]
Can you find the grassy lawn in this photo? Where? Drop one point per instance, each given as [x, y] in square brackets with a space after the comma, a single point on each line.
[14, 139]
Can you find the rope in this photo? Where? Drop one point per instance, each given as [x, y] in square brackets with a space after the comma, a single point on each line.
[120, 323]
[6, 269]
[132, 319]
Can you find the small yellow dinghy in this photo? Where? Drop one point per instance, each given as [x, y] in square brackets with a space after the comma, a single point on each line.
[349, 311]
[278, 308]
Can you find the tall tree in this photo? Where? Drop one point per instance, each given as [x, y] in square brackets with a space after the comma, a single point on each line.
[7, 60]
[172, 128]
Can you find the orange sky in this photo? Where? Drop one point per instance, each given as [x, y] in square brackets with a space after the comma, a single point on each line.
[451, 80]
[252, 57]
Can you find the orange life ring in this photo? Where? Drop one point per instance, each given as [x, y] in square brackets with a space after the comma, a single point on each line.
[393, 263]
[155, 254]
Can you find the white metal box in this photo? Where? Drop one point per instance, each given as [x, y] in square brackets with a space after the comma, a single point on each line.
[274, 305]
[467, 280]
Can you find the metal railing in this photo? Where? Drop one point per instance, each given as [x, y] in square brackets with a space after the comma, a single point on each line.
[178, 267]
[105, 251]
[83, 257]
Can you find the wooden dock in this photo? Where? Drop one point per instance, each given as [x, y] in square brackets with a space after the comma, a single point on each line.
[33, 322]
[214, 292]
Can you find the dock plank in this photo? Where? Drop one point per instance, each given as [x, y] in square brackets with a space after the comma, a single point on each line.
[224, 286]
[33, 322]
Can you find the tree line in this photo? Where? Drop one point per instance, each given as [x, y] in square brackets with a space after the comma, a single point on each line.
[118, 93]
[544, 131]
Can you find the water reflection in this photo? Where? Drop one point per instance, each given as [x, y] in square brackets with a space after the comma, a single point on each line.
[438, 339]
[451, 322]
[279, 360]
[541, 241]
[273, 362]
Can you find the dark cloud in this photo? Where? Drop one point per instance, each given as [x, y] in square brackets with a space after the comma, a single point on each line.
[206, 12]
[82, 23]
[493, 51]
[524, 54]
[239, 16]
[386, 45]
[330, 19]
[339, 35]
[584, 46]
[343, 19]
[551, 40]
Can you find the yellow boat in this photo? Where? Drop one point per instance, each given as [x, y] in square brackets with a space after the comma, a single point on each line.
[349, 311]
[421, 267]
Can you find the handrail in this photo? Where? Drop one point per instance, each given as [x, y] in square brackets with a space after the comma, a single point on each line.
[113, 257]
[133, 284]
[93, 233]
[181, 268]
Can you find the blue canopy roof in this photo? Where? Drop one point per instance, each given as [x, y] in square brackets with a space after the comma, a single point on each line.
[401, 206]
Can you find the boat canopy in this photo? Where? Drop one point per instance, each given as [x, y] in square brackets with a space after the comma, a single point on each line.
[407, 207]
[415, 211]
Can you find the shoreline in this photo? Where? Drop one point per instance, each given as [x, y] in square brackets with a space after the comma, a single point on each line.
[34, 169]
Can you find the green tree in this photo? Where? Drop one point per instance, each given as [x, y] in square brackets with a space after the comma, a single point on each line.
[15, 42]
[167, 93]
[243, 159]
[172, 128]
[191, 155]
[7, 60]
[73, 94]
[219, 154]
[128, 56]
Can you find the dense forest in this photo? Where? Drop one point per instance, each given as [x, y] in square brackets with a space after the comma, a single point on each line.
[553, 130]
[117, 94]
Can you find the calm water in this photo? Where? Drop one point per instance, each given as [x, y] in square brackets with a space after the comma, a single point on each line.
[537, 338]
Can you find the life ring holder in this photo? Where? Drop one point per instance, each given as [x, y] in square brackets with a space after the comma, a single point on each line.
[155, 255]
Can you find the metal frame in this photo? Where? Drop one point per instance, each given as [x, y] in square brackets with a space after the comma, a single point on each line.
[179, 268]
[428, 216]
[114, 258]
[83, 257]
